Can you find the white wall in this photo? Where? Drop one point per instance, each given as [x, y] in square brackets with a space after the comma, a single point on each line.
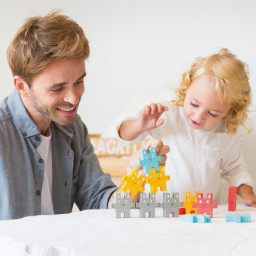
[141, 44]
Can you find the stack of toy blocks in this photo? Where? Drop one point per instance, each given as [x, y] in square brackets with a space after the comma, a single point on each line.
[157, 179]
[193, 204]
[197, 204]
[156, 174]
[232, 199]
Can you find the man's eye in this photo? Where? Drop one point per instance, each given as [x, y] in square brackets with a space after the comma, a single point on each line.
[79, 82]
[57, 89]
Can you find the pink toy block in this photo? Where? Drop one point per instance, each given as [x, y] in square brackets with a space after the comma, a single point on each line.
[232, 197]
[205, 205]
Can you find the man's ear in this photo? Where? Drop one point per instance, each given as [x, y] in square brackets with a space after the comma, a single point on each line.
[21, 86]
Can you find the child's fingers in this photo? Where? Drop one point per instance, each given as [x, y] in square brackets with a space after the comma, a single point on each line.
[153, 108]
[147, 109]
[161, 149]
[163, 161]
[165, 149]
[155, 144]
[161, 108]
[159, 122]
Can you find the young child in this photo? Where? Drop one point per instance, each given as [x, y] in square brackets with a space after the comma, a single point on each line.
[202, 127]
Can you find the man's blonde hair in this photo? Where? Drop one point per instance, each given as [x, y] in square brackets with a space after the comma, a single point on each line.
[43, 39]
[231, 82]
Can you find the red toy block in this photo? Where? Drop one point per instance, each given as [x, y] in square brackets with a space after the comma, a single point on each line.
[232, 198]
[182, 211]
[205, 205]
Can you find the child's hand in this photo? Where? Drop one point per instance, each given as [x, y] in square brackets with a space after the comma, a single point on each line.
[250, 200]
[149, 117]
[247, 194]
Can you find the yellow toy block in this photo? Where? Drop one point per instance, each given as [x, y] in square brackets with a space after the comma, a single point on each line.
[189, 201]
[157, 179]
[133, 183]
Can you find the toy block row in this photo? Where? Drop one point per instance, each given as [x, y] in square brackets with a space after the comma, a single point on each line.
[193, 204]
[198, 204]
[147, 205]
[238, 218]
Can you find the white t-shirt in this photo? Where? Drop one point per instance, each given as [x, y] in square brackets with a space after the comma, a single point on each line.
[197, 156]
[45, 151]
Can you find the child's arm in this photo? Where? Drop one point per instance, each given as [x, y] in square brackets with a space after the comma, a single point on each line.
[247, 194]
[148, 120]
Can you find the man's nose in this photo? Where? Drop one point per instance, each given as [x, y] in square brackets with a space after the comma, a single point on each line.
[72, 97]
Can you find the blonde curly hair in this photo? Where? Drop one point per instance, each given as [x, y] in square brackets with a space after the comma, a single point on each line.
[230, 76]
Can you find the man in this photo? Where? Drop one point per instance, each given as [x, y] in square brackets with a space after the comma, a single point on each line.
[46, 159]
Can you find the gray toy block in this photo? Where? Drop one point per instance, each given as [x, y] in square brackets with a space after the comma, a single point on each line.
[171, 205]
[123, 205]
[147, 205]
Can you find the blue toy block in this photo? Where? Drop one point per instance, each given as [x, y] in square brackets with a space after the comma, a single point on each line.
[204, 219]
[189, 218]
[246, 218]
[196, 218]
[149, 160]
[238, 218]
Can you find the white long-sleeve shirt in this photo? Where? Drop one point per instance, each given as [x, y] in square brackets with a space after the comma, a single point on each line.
[198, 157]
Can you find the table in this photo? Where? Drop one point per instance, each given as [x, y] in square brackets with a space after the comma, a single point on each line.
[99, 232]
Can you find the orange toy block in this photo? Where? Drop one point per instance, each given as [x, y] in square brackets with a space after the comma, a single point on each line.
[133, 183]
[189, 201]
[157, 179]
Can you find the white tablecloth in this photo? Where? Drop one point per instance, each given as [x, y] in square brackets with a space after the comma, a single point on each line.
[99, 232]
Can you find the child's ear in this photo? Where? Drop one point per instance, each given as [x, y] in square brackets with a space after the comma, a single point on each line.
[21, 86]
